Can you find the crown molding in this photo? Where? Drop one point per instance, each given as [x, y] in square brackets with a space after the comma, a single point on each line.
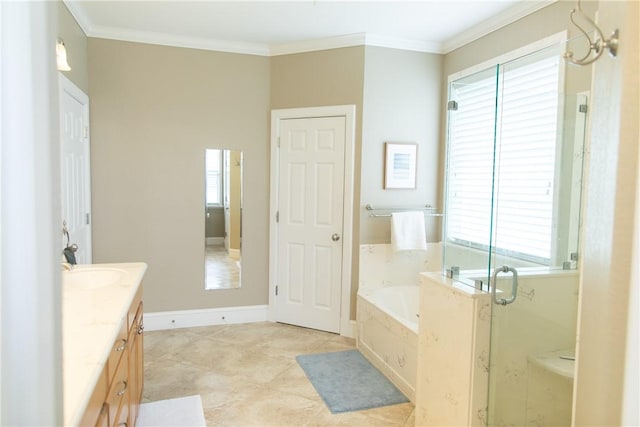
[509, 16]
[403, 44]
[164, 39]
[81, 18]
[326, 43]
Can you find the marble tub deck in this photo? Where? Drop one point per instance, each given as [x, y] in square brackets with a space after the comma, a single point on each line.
[247, 375]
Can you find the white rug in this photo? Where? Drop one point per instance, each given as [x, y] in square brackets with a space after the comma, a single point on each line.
[179, 412]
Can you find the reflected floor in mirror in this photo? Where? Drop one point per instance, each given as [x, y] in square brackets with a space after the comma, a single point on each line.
[222, 271]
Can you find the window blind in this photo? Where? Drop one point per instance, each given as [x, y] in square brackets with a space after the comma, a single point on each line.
[214, 177]
[518, 112]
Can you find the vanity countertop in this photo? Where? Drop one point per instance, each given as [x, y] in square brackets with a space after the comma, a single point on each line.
[91, 319]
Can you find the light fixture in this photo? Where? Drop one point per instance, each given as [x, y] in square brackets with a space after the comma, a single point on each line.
[61, 56]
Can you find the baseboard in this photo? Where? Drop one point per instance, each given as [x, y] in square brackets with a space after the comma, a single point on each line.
[204, 317]
[234, 253]
[214, 241]
[351, 332]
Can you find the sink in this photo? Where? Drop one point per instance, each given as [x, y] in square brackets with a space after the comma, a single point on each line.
[92, 278]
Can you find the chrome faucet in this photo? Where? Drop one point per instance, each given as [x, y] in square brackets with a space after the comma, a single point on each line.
[70, 251]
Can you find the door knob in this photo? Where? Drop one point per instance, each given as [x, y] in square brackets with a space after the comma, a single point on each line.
[335, 237]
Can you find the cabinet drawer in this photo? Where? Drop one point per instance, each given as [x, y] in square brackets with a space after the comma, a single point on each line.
[119, 391]
[118, 349]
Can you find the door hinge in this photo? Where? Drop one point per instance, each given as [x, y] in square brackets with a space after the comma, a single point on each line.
[583, 108]
[277, 216]
[85, 132]
[278, 142]
[452, 105]
[88, 218]
[276, 290]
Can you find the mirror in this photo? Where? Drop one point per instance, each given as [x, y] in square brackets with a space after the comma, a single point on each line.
[223, 218]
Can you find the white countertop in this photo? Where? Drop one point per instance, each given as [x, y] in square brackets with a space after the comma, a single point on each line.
[91, 319]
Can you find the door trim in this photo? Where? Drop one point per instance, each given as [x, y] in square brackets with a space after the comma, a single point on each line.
[349, 113]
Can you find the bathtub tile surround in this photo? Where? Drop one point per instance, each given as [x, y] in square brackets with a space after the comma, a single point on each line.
[388, 334]
[380, 266]
[453, 353]
[247, 375]
[387, 309]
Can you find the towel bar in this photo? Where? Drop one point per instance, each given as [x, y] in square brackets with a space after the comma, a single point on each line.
[427, 210]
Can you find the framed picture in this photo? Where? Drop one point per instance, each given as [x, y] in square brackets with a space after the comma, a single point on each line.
[400, 160]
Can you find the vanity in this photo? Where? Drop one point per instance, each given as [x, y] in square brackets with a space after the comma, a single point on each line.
[102, 326]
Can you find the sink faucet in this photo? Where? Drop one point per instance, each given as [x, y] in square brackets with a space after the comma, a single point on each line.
[70, 250]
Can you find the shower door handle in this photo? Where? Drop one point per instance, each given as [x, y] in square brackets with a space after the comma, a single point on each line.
[514, 285]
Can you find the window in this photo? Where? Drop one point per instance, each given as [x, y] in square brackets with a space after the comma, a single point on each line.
[502, 150]
[213, 177]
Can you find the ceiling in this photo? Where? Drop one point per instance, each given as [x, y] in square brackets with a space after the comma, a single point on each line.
[280, 27]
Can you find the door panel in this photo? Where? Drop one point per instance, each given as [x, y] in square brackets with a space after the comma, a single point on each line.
[75, 169]
[311, 179]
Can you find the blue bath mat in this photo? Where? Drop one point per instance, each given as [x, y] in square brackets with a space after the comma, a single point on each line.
[346, 381]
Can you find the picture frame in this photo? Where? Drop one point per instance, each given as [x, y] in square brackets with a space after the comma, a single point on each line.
[400, 164]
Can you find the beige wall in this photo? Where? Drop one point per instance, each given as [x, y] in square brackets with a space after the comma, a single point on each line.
[154, 111]
[327, 77]
[214, 224]
[401, 103]
[543, 23]
[76, 45]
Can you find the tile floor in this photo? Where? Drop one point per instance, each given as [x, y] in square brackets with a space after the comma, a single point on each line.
[247, 375]
[222, 271]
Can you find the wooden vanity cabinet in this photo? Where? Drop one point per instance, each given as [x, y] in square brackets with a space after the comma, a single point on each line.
[116, 399]
[136, 360]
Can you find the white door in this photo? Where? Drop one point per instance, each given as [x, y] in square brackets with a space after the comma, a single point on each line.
[310, 222]
[75, 168]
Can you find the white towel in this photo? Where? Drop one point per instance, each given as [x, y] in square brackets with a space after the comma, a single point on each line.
[407, 231]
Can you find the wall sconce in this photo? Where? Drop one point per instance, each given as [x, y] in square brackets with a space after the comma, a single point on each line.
[61, 56]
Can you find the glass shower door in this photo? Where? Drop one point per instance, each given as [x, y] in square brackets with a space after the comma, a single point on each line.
[536, 207]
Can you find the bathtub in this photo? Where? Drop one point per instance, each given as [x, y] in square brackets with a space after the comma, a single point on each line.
[387, 336]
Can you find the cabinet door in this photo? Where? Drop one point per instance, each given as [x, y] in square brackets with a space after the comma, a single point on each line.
[136, 365]
[103, 419]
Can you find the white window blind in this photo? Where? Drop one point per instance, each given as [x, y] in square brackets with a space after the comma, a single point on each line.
[214, 177]
[525, 145]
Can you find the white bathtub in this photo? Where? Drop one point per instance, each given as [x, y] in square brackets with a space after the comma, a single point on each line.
[388, 333]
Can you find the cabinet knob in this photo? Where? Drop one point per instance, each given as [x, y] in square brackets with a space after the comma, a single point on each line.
[121, 392]
[122, 346]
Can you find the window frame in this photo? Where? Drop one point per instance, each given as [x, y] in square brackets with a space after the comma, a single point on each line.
[496, 62]
[220, 185]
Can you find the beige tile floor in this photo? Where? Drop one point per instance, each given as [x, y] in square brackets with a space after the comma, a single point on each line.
[247, 375]
[222, 271]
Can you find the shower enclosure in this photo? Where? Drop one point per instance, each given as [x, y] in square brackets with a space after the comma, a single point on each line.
[514, 173]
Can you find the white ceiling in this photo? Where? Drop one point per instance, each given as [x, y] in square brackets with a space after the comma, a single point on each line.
[279, 27]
